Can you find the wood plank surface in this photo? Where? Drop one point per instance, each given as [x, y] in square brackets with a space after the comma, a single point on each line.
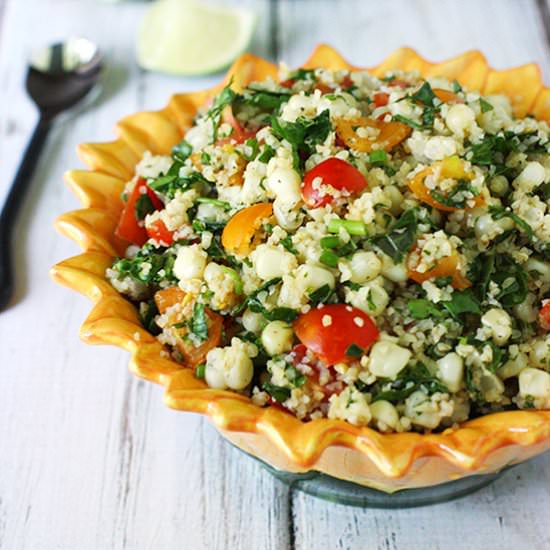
[90, 458]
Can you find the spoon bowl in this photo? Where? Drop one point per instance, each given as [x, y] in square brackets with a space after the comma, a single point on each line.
[58, 78]
[62, 74]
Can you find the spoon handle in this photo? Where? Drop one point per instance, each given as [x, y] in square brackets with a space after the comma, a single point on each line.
[12, 205]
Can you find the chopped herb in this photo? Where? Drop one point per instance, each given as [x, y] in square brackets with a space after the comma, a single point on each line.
[263, 99]
[410, 379]
[253, 144]
[303, 74]
[321, 295]
[408, 122]
[287, 243]
[278, 393]
[225, 98]
[182, 151]
[442, 281]
[253, 298]
[285, 314]
[370, 301]
[456, 87]
[144, 205]
[462, 301]
[354, 351]
[206, 225]
[499, 357]
[147, 313]
[303, 134]
[267, 153]
[511, 278]
[200, 371]
[494, 149]
[485, 105]
[424, 95]
[205, 158]
[150, 265]
[498, 212]
[198, 325]
[169, 184]
[237, 281]
[294, 376]
[457, 197]
[401, 237]
[420, 308]
[544, 190]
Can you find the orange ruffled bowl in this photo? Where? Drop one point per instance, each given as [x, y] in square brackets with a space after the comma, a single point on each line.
[388, 462]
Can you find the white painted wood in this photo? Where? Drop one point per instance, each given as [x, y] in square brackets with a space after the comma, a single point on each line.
[89, 457]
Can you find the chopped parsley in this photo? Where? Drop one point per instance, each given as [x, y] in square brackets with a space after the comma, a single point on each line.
[485, 105]
[456, 87]
[278, 393]
[354, 351]
[408, 121]
[172, 182]
[198, 325]
[321, 295]
[150, 265]
[401, 238]
[458, 196]
[409, 380]
[498, 212]
[144, 205]
[182, 151]
[225, 98]
[303, 135]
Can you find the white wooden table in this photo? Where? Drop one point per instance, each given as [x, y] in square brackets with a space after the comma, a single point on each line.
[90, 459]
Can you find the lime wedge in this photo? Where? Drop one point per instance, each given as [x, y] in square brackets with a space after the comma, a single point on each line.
[187, 37]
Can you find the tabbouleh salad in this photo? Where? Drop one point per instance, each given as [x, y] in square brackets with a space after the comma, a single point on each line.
[343, 246]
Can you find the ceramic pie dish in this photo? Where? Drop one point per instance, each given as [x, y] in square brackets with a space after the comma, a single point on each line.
[389, 462]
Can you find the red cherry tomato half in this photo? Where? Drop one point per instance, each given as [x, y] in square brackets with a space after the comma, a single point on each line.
[346, 83]
[158, 231]
[544, 315]
[323, 88]
[129, 227]
[336, 332]
[381, 99]
[287, 83]
[334, 172]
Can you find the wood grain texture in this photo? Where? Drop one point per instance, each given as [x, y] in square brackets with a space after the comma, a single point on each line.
[89, 456]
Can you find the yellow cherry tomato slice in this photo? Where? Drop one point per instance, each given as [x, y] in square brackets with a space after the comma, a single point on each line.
[168, 297]
[446, 267]
[451, 167]
[446, 96]
[385, 135]
[239, 233]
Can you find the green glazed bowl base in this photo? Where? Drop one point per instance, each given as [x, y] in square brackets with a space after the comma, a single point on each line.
[345, 492]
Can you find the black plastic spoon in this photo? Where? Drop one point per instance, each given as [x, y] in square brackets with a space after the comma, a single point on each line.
[59, 76]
